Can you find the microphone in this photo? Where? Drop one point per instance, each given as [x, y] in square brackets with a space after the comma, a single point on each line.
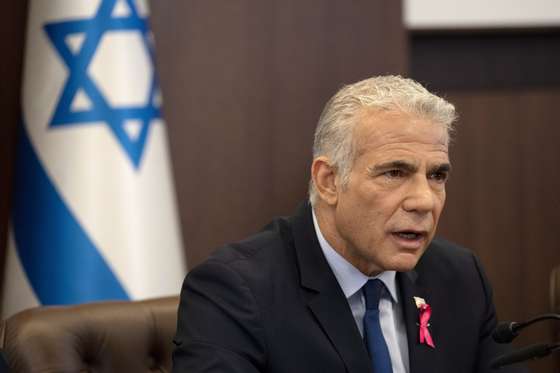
[536, 351]
[507, 331]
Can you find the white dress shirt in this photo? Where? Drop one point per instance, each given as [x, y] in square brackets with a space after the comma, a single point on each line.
[351, 281]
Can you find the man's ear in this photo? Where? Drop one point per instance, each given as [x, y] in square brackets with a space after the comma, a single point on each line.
[324, 178]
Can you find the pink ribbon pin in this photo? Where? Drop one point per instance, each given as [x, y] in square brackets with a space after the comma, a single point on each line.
[425, 314]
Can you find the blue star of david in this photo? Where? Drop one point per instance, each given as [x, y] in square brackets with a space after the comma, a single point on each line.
[78, 62]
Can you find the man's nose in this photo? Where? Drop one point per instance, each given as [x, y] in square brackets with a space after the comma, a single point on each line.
[420, 196]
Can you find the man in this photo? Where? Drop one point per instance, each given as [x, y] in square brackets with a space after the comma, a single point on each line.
[354, 282]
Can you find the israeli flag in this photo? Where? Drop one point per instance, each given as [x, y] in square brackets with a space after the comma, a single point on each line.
[94, 212]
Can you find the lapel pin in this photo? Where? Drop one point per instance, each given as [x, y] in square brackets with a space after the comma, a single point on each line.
[419, 301]
[425, 312]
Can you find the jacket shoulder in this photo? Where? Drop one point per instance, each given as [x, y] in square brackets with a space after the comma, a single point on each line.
[451, 263]
[446, 252]
[257, 247]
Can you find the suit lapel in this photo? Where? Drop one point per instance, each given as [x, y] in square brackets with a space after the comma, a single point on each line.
[422, 357]
[337, 322]
[324, 296]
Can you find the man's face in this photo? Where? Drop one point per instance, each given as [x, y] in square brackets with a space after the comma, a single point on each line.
[388, 212]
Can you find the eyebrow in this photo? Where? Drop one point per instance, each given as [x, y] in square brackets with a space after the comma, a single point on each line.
[400, 165]
[408, 167]
[445, 167]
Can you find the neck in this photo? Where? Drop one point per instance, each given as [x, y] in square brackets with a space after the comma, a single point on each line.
[327, 224]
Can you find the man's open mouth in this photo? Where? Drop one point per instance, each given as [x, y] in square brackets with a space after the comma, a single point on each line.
[410, 235]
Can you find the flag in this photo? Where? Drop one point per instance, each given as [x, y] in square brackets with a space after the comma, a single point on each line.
[94, 212]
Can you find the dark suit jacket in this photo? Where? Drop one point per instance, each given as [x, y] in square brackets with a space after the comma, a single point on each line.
[271, 303]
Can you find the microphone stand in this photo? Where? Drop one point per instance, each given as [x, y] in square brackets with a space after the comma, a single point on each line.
[546, 316]
[532, 352]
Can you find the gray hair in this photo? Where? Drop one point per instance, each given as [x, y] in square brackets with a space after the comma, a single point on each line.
[333, 135]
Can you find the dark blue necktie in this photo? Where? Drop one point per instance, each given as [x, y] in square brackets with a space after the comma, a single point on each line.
[378, 351]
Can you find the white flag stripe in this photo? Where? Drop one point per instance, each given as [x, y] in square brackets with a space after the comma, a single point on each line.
[20, 295]
[114, 181]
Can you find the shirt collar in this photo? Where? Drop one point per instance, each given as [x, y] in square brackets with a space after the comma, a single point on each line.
[349, 277]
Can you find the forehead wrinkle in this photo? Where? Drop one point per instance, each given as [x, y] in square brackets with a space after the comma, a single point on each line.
[376, 139]
[408, 145]
[389, 153]
[369, 134]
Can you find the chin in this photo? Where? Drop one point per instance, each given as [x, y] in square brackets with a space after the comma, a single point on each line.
[404, 263]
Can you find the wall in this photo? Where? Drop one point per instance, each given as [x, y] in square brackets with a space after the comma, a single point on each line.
[503, 197]
[453, 14]
[12, 27]
[244, 83]
[243, 86]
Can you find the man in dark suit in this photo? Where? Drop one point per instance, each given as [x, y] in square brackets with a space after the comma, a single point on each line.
[354, 281]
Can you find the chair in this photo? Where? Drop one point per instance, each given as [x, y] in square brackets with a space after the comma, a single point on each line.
[96, 337]
[555, 306]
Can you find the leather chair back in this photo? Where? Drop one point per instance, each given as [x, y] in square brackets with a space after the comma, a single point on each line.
[555, 308]
[95, 337]
[555, 290]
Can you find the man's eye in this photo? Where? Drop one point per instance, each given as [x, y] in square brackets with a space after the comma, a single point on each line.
[439, 176]
[394, 173]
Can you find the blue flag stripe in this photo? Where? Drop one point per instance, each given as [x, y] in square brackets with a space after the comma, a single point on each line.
[61, 262]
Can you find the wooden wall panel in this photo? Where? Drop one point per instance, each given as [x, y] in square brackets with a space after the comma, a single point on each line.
[504, 197]
[504, 194]
[540, 204]
[484, 189]
[12, 29]
[244, 83]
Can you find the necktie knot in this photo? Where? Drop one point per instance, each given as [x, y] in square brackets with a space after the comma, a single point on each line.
[373, 291]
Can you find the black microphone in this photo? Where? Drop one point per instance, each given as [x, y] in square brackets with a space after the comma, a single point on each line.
[507, 331]
[530, 352]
